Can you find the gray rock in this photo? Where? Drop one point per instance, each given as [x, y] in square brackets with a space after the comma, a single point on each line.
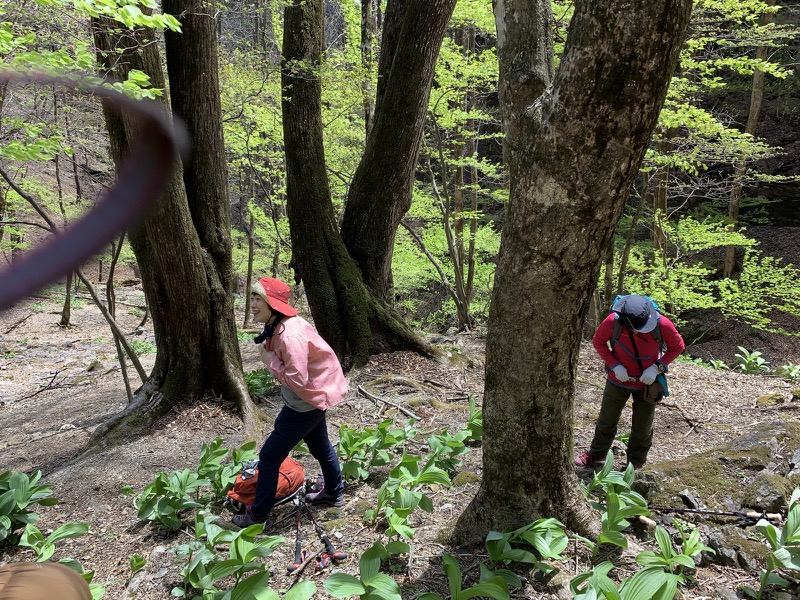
[767, 435]
[722, 593]
[794, 463]
[766, 491]
[724, 556]
[689, 499]
[648, 483]
[747, 562]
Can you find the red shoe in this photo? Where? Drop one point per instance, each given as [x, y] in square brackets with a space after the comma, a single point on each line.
[587, 460]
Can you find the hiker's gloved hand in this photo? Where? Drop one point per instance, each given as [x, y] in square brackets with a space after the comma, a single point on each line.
[649, 375]
[621, 373]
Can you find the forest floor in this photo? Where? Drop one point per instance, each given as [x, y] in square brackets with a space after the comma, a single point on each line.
[58, 384]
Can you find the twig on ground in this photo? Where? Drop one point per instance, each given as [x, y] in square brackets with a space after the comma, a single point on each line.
[375, 398]
[18, 323]
[309, 557]
[434, 382]
[48, 386]
[692, 422]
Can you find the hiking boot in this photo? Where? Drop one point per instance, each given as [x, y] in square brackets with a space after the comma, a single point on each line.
[636, 465]
[325, 498]
[246, 519]
[588, 460]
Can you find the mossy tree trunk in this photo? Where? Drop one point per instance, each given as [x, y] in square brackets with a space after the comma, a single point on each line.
[573, 150]
[380, 193]
[347, 315]
[181, 246]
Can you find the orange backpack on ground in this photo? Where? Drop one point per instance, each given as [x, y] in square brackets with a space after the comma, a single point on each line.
[291, 477]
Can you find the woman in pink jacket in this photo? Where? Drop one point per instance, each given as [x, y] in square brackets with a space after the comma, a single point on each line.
[311, 382]
[634, 356]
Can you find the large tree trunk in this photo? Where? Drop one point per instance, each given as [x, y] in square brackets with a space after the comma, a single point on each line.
[194, 92]
[184, 286]
[346, 314]
[380, 193]
[573, 153]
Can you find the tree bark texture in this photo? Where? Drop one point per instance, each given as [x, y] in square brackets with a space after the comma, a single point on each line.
[573, 150]
[192, 65]
[380, 194]
[345, 313]
[180, 279]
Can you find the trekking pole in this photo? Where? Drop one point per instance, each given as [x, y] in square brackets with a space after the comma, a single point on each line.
[751, 515]
[331, 552]
[299, 555]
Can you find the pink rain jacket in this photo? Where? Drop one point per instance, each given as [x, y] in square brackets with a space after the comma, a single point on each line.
[306, 364]
[648, 347]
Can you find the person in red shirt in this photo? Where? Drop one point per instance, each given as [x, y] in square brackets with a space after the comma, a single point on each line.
[633, 361]
[311, 382]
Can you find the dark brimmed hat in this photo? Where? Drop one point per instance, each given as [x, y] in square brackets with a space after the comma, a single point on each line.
[637, 312]
[275, 293]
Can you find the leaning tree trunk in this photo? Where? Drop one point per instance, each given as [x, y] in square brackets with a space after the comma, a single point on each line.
[380, 194]
[572, 153]
[182, 285]
[346, 314]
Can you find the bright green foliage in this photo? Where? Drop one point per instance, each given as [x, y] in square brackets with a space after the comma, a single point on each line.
[402, 493]
[651, 582]
[683, 281]
[363, 449]
[167, 496]
[785, 548]
[670, 560]
[533, 544]
[475, 422]
[44, 547]
[610, 491]
[260, 382]
[220, 473]
[204, 567]
[137, 563]
[371, 584]
[764, 285]
[447, 448]
[495, 587]
[140, 347]
[791, 372]
[751, 362]
[18, 494]
[722, 32]
[461, 182]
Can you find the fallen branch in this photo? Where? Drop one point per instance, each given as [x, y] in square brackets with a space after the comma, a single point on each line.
[18, 323]
[693, 423]
[375, 398]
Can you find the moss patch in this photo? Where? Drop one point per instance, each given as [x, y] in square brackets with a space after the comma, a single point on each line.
[465, 478]
[769, 400]
[719, 473]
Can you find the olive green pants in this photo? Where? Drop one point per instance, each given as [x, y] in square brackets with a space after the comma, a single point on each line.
[614, 399]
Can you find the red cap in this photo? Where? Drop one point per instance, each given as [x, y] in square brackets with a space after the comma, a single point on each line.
[276, 293]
